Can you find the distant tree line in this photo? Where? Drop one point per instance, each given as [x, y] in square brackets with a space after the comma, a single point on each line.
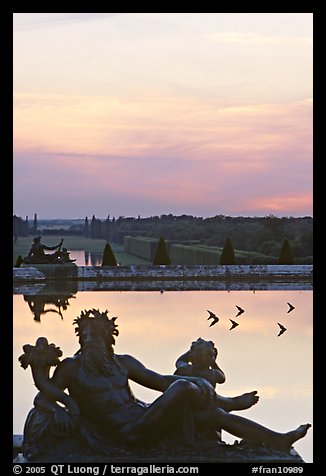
[20, 227]
[97, 228]
[259, 234]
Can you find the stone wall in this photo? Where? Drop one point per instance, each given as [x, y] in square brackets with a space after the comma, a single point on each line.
[45, 279]
[40, 272]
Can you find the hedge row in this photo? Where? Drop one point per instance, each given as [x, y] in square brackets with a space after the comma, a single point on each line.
[211, 255]
[140, 246]
[196, 254]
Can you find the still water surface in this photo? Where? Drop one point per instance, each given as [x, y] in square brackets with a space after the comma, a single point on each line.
[86, 258]
[157, 327]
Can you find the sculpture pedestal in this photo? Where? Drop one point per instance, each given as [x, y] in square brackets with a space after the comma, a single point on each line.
[70, 451]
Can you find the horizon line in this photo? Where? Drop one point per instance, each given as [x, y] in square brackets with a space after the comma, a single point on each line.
[165, 215]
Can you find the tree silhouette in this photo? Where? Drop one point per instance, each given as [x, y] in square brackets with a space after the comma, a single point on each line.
[35, 224]
[86, 227]
[95, 227]
[108, 258]
[162, 254]
[286, 255]
[227, 255]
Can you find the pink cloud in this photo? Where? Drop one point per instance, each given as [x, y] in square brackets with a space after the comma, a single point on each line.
[193, 155]
[283, 204]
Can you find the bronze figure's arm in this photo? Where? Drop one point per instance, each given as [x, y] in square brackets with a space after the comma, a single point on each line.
[40, 358]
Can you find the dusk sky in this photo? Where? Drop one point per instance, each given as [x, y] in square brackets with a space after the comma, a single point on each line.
[151, 113]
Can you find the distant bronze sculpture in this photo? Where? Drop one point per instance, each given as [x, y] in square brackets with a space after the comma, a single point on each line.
[37, 255]
[101, 413]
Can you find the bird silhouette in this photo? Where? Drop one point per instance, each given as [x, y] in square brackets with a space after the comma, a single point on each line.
[241, 311]
[234, 324]
[212, 316]
[290, 307]
[282, 329]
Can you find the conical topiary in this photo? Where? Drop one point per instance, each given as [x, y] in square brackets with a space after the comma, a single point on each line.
[162, 254]
[19, 261]
[286, 255]
[227, 255]
[108, 258]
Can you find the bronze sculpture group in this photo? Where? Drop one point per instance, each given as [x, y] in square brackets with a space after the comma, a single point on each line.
[101, 415]
[37, 255]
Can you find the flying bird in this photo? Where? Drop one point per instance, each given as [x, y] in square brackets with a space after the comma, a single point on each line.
[290, 307]
[241, 311]
[282, 329]
[212, 316]
[234, 324]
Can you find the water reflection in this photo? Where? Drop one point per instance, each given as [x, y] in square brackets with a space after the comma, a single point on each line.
[86, 258]
[158, 327]
[38, 304]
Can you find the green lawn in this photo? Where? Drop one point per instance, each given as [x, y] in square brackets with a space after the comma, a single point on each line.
[23, 244]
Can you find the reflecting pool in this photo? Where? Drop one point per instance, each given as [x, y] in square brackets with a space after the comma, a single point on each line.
[157, 327]
[86, 258]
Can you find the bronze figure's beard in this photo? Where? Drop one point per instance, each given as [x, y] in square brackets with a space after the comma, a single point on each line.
[96, 362]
